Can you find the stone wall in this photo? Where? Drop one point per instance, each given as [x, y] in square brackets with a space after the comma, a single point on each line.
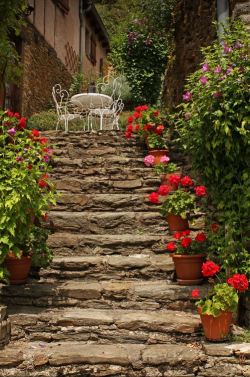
[193, 29]
[42, 69]
[4, 327]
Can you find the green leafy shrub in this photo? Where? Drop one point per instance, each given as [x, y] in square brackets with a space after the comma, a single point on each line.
[47, 120]
[214, 126]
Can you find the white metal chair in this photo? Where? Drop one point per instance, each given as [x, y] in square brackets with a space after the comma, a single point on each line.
[66, 110]
[108, 111]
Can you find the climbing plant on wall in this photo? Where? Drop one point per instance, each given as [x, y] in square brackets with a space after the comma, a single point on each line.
[214, 125]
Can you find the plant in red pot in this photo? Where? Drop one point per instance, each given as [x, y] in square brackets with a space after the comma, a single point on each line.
[188, 255]
[26, 190]
[217, 308]
[178, 200]
[151, 128]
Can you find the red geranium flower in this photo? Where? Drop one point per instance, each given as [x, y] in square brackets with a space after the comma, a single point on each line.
[177, 235]
[195, 293]
[200, 191]
[209, 269]
[187, 181]
[156, 113]
[35, 133]
[174, 179]
[214, 228]
[22, 122]
[154, 198]
[239, 282]
[9, 113]
[185, 233]
[137, 127]
[148, 127]
[137, 115]
[171, 246]
[159, 129]
[144, 108]
[42, 183]
[129, 128]
[138, 108]
[201, 237]
[164, 190]
[128, 135]
[186, 242]
[130, 119]
[43, 140]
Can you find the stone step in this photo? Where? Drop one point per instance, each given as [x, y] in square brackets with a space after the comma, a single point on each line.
[117, 267]
[98, 184]
[108, 222]
[104, 326]
[78, 359]
[100, 161]
[102, 202]
[70, 244]
[73, 151]
[110, 294]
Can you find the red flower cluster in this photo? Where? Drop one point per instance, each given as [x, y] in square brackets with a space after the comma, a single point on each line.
[42, 183]
[164, 190]
[154, 198]
[209, 269]
[179, 235]
[200, 237]
[174, 179]
[195, 293]
[171, 246]
[186, 242]
[239, 282]
[200, 190]
[186, 181]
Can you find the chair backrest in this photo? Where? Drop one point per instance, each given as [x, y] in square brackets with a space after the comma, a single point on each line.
[61, 99]
[110, 86]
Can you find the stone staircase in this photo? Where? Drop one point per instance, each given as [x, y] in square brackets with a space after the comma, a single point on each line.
[108, 305]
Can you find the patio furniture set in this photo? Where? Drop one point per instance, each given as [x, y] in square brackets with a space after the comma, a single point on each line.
[90, 108]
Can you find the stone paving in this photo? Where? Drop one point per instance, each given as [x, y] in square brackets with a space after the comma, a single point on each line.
[109, 304]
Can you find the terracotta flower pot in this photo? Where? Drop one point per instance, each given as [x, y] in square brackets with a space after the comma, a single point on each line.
[188, 268]
[18, 268]
[176, 223]
[158, 153]
[216, 328]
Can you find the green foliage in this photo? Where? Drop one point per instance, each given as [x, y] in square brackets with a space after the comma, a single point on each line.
[179, 202]
[215, 130]
[222, 297]
[42, 255]
[78, 81]
[45, 120]
[11, 21]
[165, 168]
[155, 141]
[140, 32]
[26, 192]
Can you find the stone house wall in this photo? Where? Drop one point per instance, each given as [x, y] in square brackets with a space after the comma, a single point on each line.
[42, 69]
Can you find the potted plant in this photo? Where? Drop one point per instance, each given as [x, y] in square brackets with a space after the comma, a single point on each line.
[26, 191]
[147, 123]
[164, 168]
[177, 204]
[217, 308]
[188, 255]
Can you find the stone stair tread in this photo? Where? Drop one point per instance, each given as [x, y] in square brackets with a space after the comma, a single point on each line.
[70, 353]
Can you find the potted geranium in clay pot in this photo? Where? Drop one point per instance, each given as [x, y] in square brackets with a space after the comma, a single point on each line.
[179, 202]
[188, 255]
[147, 123]
[217, 308]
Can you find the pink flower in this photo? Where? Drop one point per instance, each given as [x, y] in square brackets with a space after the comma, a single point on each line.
[227, 48]
[205, 67]
[12, 131]
[46, 158]
[218, 69]
[149, 160]
[187, 96]
[164, 159]
[203, 80]
[229, 70]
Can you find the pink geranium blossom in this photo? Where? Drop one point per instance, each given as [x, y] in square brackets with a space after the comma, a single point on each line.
[149, 160]
[164, 159]
[205, 67]
[203, 80]
[187, 96]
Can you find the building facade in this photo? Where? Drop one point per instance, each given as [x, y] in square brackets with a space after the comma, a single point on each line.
[61, 37]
